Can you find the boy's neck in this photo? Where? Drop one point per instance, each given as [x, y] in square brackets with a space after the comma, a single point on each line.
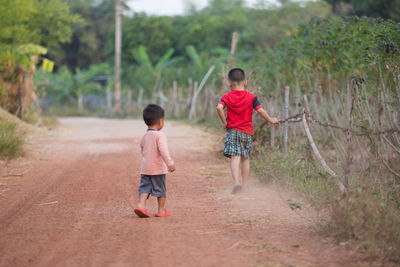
[239, 88]
[152, 128]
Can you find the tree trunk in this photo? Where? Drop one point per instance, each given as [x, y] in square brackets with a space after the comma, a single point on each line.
[117, 72]
[235, 39]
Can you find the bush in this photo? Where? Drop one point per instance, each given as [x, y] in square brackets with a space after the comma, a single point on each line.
[11, 141]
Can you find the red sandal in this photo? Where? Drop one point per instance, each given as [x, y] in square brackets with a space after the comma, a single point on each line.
[165, 214]
[142, 213]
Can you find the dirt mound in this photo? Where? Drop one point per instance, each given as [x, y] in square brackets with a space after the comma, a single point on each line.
[22, 126]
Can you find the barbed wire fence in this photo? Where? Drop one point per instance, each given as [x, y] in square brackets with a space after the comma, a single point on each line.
[307, 117]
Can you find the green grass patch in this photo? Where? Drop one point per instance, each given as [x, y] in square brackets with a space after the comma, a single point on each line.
[11, 141]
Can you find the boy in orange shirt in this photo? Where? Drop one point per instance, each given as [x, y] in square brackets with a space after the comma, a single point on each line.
[239, 125]
[156, 162]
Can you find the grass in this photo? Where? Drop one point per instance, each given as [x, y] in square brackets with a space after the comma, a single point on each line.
[35, 118]
[11, 141]
[368, 216]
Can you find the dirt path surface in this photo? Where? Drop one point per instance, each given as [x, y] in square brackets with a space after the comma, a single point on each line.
[70, 203]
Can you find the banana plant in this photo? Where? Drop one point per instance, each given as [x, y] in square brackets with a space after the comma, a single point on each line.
[147, 72]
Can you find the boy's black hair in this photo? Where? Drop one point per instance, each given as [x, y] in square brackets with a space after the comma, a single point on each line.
[152, 114]
[236, 75]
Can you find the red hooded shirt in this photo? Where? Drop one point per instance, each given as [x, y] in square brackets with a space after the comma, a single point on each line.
[240, 105]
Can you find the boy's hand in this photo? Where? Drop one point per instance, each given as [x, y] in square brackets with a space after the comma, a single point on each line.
[274, 120]
[171, 168]
[225, 125]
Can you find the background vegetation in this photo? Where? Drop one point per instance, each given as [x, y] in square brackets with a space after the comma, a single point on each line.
[347, 65]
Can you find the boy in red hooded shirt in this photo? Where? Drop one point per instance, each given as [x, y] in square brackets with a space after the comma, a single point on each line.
[239, 125]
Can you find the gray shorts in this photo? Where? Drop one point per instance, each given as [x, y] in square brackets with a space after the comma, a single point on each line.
[153, 184]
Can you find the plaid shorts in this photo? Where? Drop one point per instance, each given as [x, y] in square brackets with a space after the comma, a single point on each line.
[237, 144]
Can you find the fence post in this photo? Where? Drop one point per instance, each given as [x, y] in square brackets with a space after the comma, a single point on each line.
[109, 99]
[139, 102]
[349, 135]
[286, 125]
[80, 103]
[272, 138]
[189, 94]
[129, 101]
[175, 100]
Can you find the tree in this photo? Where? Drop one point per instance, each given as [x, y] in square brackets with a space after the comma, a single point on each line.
[387, 9]
[117, 71]
[26, 24]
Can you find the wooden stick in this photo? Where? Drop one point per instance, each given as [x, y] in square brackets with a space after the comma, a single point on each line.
[11, 175]
[48, 203]
[316, 151]
[197, 92]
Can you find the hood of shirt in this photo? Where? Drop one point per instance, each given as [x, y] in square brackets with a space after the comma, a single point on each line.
[238, 100]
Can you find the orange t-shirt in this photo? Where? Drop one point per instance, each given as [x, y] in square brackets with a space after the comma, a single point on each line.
[155, 154]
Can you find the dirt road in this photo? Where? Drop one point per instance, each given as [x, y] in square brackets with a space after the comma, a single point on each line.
[70, 203]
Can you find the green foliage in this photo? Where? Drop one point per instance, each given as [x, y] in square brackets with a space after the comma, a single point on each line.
[11, 141]
[142, 57]
[371, 8]
[64, 87]
[164, 59]
[208, 31]
[88, 39]
[193, 55]
[38, 22]
[26, 26]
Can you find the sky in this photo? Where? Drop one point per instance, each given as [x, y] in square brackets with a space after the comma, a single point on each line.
[171, 7]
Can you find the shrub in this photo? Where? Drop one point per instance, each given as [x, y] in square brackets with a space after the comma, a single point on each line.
[11, 141]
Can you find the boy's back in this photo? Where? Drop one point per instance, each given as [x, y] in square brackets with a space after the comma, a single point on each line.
[240, 105]
[155, 153]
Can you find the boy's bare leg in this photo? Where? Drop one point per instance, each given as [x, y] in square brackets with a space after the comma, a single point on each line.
[142, 200]
[235, 168]
[245, 171]
[161, 204]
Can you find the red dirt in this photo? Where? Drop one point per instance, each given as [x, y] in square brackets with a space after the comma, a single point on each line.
[71, 204]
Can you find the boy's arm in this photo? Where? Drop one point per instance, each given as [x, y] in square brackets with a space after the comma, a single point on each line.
[163, 148]
[221, 114]
[266, 117]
